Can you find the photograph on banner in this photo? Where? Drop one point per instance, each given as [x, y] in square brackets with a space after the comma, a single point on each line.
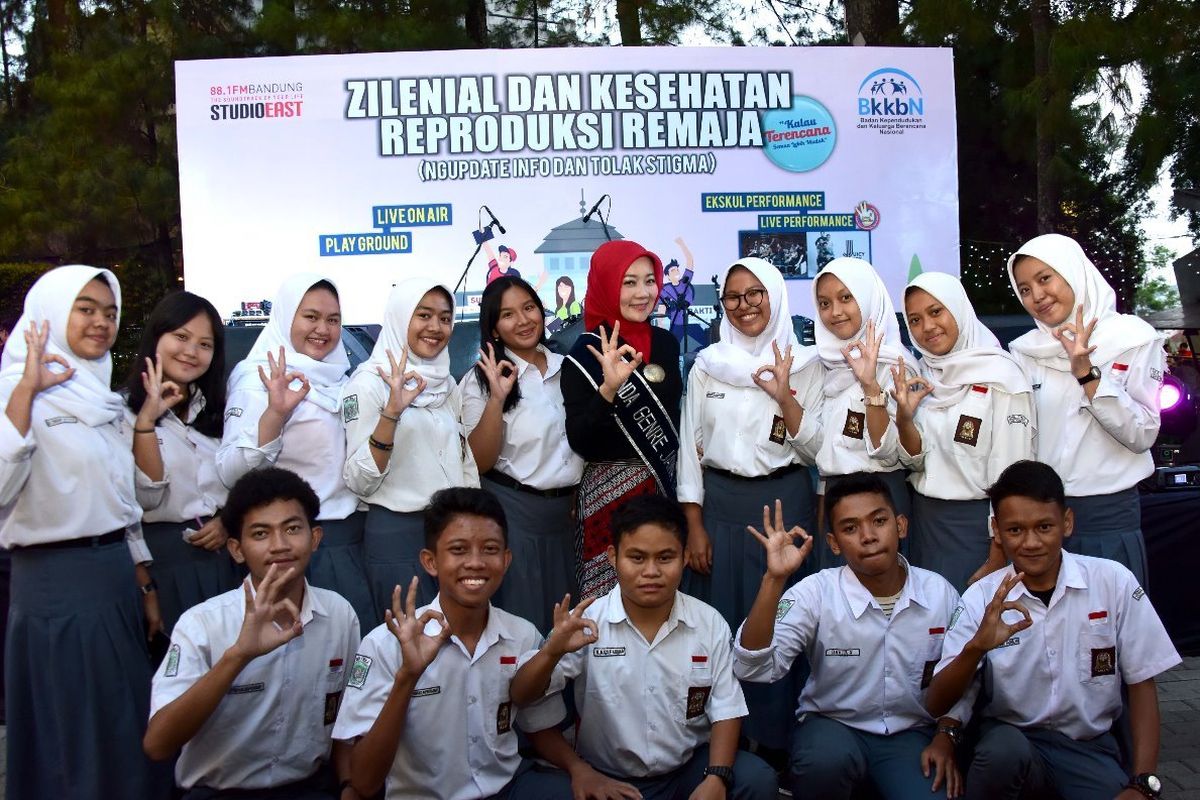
[468, 165]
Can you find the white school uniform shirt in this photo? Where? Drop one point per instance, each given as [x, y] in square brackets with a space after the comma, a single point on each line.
[459, 740]
[740, 429]
[845, 445]
[1103, 445]
[311, 444]
[644, 707]
[274, 725]
[1065, 671]
[869, 671]
[533, 439]
[190, 486]
[67, 480]
[430, 451]
[965, 447]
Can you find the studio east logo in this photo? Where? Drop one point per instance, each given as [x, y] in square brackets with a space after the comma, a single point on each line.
[890, 101]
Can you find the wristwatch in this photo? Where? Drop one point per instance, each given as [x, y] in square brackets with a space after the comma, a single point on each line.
[1093, 374]
[724, 773]
[1148, 784]
[147, 588]
[878, 400]
[953, 732]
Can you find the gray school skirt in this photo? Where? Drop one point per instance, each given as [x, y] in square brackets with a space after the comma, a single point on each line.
[1110, 526]
[738, 564]
[186, 575]
[541, 538]
[78, 678]
[392, 543]
[949, 537]
[339, 564]
[897, 482]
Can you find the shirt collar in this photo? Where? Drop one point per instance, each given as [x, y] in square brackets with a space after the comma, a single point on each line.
[1070, 576]
[681, 612]
[493, 631]
[859, 598]
[553, 362]
[311, 604]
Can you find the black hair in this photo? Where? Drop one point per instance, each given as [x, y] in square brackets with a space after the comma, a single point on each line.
[489, 315]
[457, 501]
[172, 313]
[261, 487]
[1031, 479]
[558, 301]
[855, 483]
[648, 509]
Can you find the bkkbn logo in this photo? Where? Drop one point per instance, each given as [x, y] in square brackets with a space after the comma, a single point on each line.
[890, 92]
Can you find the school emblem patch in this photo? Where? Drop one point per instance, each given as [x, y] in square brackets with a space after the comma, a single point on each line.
[927, 674]
[1104, 661]
[332, 701]
[697, 698]
[778, 430]
[172, 662]
[954, 617]
[350, 408]
[781, 610]
[967, 431]
[358, 672]
[1139, 593]
[504, 717]
[856, 421]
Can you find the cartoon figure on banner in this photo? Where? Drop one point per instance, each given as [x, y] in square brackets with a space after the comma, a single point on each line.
[500, 261]
[678, 294]
[566, 307]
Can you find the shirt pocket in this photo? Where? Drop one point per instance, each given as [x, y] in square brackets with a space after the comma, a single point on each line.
[689, 702]
[498, 712]
[928, 656]
[1097, 657]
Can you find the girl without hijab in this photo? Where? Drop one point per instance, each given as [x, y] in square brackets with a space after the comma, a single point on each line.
[966, 417]
[621, 393]
[1095, 375]
[404, 437]
[284, 410]
[77, 669]
[175, 406]
[858, 341]
[750, 432]
[515, 422]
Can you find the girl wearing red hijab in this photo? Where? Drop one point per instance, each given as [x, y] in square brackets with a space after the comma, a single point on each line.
[621, 387]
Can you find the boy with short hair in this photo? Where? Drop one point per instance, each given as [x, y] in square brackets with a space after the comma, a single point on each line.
[659, 708]
[1055, 635]
[249, 700]
[872, 631]
[427, 703]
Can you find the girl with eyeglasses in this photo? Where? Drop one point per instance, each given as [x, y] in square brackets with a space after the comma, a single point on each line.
[750, 432]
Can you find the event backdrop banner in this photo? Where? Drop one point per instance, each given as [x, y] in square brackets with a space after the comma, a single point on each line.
[370, 168]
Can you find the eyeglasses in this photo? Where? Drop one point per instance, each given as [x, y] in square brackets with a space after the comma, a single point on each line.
[753, 298]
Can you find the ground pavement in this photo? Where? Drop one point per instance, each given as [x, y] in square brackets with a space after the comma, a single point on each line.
[1179, 756]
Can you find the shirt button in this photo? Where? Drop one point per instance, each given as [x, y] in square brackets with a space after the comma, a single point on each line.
[887, 671]
[474, 740]
[1051, 652]
[275, 759]
[471, 700]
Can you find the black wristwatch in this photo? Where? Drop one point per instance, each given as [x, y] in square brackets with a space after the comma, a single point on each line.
[1093, 374]
[1148, 784]
[147, 588]
[724, 773]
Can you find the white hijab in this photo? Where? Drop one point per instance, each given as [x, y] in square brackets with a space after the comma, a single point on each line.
[86, 396]
[1115, 333]
[736, 358]
[976, 356]
[873, 302]
[401, 304]
[326, 377]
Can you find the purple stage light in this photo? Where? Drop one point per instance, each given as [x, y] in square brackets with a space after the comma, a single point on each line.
[1171, 393]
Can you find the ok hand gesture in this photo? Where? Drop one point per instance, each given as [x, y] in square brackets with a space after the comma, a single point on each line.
[417, 648]
[783, 555]
[777, 382]
[501, 375]
[161, 396]
[38, 376]
[613, 361]
[572, 631]
[908, 392]
[261, 633]
[1076, 344]
[994, 631]
[865, 364]
[400, 394]
[280, 398]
